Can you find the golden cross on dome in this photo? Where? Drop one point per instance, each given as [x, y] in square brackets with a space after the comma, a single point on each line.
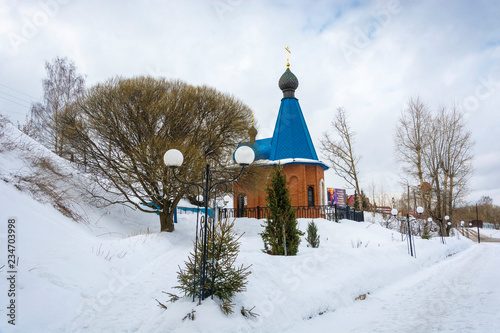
[287, 56]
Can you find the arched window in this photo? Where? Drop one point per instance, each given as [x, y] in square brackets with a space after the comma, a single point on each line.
[310, 196]
[322, 192]
[293, 186]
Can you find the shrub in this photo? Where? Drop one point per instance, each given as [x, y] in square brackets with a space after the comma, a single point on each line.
[312, 237]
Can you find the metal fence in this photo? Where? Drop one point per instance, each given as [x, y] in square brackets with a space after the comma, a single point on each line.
[331, 213]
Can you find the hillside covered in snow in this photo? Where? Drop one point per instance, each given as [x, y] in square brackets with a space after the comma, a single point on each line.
[84, 267]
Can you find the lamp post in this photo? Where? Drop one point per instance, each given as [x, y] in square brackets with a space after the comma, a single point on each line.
[441, 229]
[477, 225]
[420, 210]
[430, 222]
[446, 228]
[409, 233]
[394, 213]
[462, 224]
[447, 218]
[173, 159]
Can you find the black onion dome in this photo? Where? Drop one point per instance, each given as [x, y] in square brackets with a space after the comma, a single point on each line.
[288, 83]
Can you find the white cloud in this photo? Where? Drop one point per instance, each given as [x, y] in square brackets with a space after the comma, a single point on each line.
[442, 51]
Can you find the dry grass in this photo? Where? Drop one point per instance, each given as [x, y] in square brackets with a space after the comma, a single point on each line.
[47, 183]
[108, 256]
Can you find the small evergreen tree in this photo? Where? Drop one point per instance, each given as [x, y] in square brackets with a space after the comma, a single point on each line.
[281, 235]
[312, 237]
[226, 280]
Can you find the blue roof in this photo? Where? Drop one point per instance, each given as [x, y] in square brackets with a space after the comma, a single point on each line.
[262, 148]
[291, 138]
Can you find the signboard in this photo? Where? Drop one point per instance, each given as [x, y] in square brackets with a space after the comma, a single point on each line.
[329, 196]
[337, 197]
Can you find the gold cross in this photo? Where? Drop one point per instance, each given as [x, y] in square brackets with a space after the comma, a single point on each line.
[287, 56]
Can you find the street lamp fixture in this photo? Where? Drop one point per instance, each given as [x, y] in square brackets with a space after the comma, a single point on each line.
[394, 213]
[441, 229]
[420, 210]
[430, 222]
[477, 225]
[448, 223]
[411, 246]
[173, 159]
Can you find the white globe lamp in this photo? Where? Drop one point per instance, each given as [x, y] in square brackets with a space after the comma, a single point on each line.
[244, 155]
[173, 158]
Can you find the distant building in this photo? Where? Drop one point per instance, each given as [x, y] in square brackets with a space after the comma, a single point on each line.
[475, 223]
[384, 210]
[292, 147]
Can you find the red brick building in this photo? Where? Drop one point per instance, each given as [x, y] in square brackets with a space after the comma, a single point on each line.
[292, 147]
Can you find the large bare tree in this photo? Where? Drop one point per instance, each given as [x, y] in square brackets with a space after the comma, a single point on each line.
[61, 87]
[339, 150]
[124, 126]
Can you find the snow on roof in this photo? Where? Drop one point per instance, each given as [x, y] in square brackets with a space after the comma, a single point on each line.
[286, 161]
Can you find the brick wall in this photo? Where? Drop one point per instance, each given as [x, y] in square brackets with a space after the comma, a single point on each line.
[299, 178]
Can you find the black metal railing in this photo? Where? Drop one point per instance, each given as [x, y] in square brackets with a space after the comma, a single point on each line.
[331, 213]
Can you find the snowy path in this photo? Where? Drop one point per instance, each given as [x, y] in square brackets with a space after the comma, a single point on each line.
[461, 294]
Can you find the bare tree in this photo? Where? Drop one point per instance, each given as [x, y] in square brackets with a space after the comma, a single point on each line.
[432, 161]
[339, 150]
[456, 162]
[124, 126]
[412, 139]
[436, 151]
[61, 87]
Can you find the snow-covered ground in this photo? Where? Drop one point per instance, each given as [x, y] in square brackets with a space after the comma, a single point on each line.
[460, 294]
[490, 233]
[105, 272]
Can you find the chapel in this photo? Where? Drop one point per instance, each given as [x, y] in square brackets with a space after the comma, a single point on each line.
[292, 147]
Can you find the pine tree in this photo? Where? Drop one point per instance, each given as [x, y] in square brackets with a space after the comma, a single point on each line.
[225, 280]
[312, 237]
[281, 235]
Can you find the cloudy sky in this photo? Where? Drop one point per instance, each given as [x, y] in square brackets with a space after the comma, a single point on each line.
[366, 56]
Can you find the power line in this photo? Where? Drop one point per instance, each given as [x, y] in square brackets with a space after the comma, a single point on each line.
[14, 102]
[20, 99]
[3, 85]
